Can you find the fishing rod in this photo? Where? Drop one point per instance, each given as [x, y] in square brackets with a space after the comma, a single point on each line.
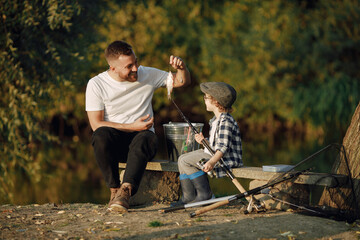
[245, 194]
[195, 204]
[275, 181]
[297, 206]
[222, 164]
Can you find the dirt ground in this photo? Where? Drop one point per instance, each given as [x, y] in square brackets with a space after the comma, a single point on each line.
[94, 221]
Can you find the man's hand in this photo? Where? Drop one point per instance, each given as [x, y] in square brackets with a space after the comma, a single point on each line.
[182, 76]
[143, 123]
[177, 63]
[96, 119]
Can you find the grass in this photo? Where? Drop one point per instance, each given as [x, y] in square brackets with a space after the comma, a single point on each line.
[155, 224]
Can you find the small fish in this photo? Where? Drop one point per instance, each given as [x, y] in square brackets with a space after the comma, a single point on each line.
[169, 84]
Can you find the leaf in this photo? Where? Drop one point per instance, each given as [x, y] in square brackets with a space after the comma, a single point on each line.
[112, 229]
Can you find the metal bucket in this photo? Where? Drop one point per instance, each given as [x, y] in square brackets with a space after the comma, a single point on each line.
[180, 139]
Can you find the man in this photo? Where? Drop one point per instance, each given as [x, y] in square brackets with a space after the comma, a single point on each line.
[118, 104]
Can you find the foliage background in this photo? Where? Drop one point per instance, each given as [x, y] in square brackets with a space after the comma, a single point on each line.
[293, 63]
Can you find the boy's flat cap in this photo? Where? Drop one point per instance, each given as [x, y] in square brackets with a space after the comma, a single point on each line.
[222, 92]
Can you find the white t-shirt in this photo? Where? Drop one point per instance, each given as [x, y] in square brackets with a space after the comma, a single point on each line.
[124, 102]
[212, 135]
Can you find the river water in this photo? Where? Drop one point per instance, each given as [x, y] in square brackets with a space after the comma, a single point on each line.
[72, 175]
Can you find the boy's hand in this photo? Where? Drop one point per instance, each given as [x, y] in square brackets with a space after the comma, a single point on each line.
[208, 166]
[199, 137]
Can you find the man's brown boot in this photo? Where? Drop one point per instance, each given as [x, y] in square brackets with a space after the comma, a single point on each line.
[121, 200]
[113, 192]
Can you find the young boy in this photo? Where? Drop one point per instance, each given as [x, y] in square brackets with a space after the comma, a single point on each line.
[224, 139]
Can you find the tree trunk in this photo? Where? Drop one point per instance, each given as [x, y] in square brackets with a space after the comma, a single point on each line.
[343, 198]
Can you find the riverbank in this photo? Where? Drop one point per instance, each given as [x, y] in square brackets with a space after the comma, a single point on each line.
[94, 221]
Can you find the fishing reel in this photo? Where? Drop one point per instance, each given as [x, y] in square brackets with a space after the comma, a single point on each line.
[201, 164]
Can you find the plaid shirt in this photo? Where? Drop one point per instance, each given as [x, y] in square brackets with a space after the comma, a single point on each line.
[227, 140]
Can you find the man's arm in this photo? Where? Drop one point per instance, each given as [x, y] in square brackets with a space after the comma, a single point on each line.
[182, 76]
[96, 119]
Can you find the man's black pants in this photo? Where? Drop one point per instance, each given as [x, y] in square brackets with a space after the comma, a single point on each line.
[112, 146]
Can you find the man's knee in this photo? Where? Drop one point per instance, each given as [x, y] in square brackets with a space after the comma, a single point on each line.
[145, 140]
[146, 137]
[101, 135]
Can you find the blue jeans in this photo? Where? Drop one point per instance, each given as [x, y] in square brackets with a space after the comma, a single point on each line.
[112, 146]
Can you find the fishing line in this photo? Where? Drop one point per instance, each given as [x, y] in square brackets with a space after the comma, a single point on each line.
[250, 193]
[351, 183]
[294, 205]
[282, 177]
[341, 149]
[303, 161]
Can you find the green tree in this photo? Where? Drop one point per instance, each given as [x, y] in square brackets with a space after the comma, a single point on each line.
[292, 62]
[327, 86]
[40, 42]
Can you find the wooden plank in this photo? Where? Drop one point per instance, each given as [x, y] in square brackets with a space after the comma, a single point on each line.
[257, 173]
[253, 173]
[158, 165]
[321, 179]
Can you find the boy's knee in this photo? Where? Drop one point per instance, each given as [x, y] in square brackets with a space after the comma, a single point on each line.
[181, 162]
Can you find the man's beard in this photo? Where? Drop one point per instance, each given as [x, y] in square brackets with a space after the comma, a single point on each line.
[132, 77]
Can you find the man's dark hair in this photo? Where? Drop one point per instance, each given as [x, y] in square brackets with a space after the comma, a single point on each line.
[117, 48]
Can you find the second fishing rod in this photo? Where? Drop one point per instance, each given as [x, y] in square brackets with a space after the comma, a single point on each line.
[287, 175]
[251, 192]
[221, 161]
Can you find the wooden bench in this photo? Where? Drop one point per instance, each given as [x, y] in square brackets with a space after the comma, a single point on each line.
[158, 165]
[160, 181]
[255, 173]
[310, 178]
